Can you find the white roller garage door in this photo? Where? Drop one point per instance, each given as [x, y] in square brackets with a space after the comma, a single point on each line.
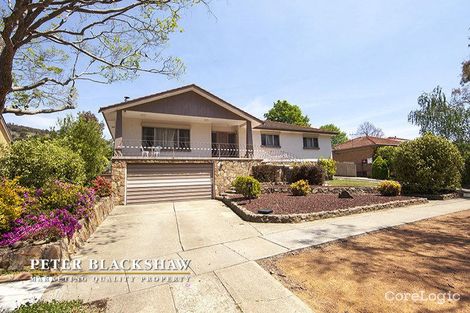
[148, 183]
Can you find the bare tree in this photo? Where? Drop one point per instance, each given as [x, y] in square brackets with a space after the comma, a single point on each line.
[368, 129]
[47, 46]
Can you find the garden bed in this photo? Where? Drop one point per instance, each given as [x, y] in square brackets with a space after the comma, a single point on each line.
[285, 203]
[290, 209]
[19, 255]
[285, 187]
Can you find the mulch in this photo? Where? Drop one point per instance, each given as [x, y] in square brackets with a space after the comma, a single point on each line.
[285, 203]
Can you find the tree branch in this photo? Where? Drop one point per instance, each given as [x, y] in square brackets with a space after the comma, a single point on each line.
[38, 111]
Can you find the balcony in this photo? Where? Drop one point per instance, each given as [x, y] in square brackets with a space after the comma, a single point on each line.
[196, 150]
[180, 150]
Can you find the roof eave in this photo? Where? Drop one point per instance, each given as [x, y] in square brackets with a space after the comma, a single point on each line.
[297, 130]
[169, 93]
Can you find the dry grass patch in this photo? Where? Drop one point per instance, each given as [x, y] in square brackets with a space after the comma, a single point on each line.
[354, 275]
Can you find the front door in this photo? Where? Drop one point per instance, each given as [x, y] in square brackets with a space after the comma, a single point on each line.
[224, 144]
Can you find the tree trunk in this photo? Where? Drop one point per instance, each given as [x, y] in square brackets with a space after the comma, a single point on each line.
[6, 68]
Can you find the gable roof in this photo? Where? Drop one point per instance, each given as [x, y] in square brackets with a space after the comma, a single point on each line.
[4, 129]
[272, 125]
[368, 141]
[176, 91]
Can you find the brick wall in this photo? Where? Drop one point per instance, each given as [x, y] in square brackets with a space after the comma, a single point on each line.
[356, 155]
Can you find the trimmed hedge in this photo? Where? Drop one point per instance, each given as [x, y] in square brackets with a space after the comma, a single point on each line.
[265, 172]
[311, 173]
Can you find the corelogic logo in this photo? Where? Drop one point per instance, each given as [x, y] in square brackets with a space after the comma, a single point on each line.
[422, 296]
[115, 270]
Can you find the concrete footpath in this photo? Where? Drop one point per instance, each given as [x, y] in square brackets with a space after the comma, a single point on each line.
[222, 249]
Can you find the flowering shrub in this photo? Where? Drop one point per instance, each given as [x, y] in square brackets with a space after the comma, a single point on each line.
[50, 212]
[12, 201]
[56, 224]
[59, 195]
[102, 186]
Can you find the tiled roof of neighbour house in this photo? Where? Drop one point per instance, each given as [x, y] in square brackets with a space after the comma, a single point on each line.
[271, 125]
[367, 141]
[4, 126]
[171, 91]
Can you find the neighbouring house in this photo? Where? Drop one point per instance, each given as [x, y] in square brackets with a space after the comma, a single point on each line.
[5, 136]
[187, 143]
[361, 151]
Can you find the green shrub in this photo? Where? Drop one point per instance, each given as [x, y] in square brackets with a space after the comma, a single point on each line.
[58, 195]
[311, 173]
[35, 162]
[84, 135]
[466, 172]
[328, 166]
[380, 168]
[12, 199]
[388, 154]
[54, 306]
[300, 188]
[247, 186]
[428, 164]
[389, 188]
[265, 172]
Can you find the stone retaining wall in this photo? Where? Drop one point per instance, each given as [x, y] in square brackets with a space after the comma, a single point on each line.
[20, 255]
[225, 172]
[305, 217]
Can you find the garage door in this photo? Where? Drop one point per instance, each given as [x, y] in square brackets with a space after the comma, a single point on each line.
[148, 183]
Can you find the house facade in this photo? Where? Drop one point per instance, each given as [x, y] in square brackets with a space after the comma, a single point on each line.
[187, 143]
[5, 136]
[361, 151]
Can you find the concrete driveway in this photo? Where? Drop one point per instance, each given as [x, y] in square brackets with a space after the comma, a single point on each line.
[222, 249]
[156, 230]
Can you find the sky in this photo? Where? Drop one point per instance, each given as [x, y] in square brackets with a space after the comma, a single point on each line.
[343, 62]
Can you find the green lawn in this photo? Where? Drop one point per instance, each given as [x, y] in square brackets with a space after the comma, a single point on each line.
[351, 183]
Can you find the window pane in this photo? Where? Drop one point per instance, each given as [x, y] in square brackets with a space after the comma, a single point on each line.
[269, 140]
[276, 140]
[184, 138]
[263, 139]
[147, 136]
[315, 142]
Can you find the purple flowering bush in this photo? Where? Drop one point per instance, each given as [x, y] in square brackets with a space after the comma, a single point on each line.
[57, 224]
[50, 213]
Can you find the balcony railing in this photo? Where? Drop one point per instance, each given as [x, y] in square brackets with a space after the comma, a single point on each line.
[185, 150]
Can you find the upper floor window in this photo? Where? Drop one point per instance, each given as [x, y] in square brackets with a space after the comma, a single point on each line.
[166, 137]
[270, 140]
[310, 143]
